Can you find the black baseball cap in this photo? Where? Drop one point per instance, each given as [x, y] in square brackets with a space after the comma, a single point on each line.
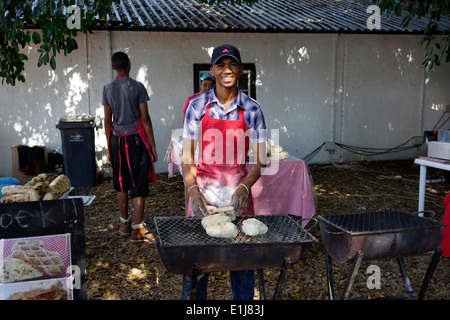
[225, 50]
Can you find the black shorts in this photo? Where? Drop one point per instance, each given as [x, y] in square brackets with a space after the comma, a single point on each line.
[139, 163]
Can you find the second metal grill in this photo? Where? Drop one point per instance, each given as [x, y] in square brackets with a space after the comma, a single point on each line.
[379, 222]
[380, 234]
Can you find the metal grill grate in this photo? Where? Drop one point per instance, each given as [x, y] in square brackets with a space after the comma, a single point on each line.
[182, 231]
[376, 222]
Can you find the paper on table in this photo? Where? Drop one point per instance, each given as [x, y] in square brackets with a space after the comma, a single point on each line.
[87, 200]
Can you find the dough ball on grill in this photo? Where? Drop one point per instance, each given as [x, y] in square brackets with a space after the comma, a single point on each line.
[222, 230]
[216, 218]
[229, 212]
[253, 227]
[211, 210]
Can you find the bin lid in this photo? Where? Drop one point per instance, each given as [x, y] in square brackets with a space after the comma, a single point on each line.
[80, 121]
[6, 181]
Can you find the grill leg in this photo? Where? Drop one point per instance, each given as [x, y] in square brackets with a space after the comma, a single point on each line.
[194, 281]
[401, 264]
[426, 281]
[329, 276]
[351, 279]
[286, 265]
[262, 290]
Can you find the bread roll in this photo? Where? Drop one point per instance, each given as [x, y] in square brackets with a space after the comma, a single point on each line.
[39, 178]
[52, 196]
[253, 227]
[222, 230]
[276, 149]
[216, 218]
[284, 155]
[39, 190]
[275, 157]
[211, 210]
[229, 212]
[60, 184]
[15, 189]
[15, 270]
[16, 198]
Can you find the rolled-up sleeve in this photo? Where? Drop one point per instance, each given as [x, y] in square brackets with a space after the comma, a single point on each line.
[192, 122]
[257, 125]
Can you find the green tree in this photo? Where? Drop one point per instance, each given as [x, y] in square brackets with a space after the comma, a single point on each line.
[436, 43]
[19, 18]
[20, 21]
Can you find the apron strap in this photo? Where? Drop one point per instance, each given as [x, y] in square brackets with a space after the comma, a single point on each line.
[127, 155]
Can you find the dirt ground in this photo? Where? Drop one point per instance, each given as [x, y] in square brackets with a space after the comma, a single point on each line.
[120, 270]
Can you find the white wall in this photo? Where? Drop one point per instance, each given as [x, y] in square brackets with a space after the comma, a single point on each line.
[361, 90]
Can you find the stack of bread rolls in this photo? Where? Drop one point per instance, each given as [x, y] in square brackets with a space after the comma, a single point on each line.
[273, 151]
[218, 223]
[41, 187]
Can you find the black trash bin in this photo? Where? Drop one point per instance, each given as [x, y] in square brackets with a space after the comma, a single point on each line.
[78, 145]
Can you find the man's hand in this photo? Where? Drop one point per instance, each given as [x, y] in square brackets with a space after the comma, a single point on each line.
[154, 154]
[239, 200]
[198, 202]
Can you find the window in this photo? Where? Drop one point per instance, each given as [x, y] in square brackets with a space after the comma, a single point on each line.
[246, 81]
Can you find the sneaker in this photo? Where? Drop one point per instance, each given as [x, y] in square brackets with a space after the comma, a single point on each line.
[138, 231]
[125, 226]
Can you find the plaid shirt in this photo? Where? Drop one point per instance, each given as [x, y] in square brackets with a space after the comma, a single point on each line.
[253, 115]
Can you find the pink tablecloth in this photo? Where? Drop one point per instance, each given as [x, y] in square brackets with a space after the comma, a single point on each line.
[287, 191]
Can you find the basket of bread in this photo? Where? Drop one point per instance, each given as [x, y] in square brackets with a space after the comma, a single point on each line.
[41, 187]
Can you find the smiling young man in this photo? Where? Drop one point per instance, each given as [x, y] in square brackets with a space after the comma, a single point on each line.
[220, 178]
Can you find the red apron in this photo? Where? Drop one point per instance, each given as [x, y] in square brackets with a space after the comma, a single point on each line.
[221, 164]
[141, 131]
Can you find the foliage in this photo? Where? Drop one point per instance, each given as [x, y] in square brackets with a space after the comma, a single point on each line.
[437, 43]
[19, 22]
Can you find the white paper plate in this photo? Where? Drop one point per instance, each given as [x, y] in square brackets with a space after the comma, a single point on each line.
[87, 200]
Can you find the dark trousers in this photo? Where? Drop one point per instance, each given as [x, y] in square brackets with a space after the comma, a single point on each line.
[242, 285]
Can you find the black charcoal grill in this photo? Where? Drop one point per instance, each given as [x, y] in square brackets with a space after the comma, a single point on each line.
[379, 235]
[185, 248]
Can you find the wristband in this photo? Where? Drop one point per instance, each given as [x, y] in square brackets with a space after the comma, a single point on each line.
[245, 187]
[192, 187]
